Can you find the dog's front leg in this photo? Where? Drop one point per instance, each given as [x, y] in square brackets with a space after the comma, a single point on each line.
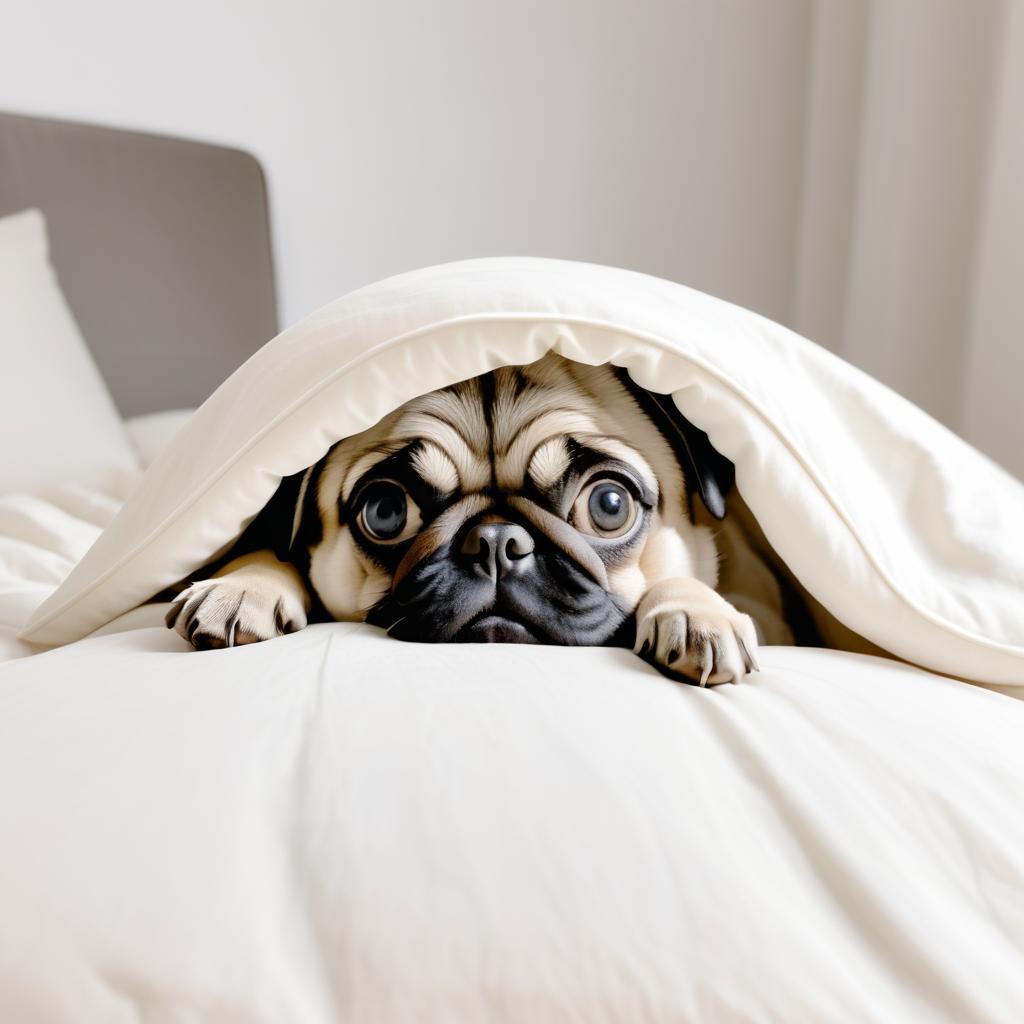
[688, 631]
[255, 597]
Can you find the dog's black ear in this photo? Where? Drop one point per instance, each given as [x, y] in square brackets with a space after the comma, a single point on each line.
[305, 528]
[288, 514]
[708, 473]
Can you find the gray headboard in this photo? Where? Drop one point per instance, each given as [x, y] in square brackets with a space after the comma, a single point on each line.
[162, 247]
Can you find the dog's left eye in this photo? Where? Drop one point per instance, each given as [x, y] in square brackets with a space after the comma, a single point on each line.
[605, 508]
[385, 510]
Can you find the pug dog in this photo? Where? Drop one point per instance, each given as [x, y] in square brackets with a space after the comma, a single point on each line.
[554, 503]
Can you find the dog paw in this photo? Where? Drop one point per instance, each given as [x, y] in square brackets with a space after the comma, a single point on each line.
[689, 632]
[228, 612]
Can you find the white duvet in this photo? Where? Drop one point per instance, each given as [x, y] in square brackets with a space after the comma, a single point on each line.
[337, 826]
[42, 537]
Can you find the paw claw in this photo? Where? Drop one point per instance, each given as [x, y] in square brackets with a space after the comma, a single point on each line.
[174, 611]
[749, 660]
[219, 613]
[694, 634]
[709, 664]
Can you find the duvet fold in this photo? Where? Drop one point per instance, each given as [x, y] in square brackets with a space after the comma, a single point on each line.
[904, 533]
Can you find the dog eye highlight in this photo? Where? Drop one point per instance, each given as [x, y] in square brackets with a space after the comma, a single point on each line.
[605, 508]
[384, 510]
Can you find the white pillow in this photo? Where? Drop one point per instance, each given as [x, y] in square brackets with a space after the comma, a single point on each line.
[58, 422]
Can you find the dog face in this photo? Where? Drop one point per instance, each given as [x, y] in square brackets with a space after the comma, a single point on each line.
[533, 504]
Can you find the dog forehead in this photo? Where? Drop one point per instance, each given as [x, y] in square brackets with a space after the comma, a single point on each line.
[500, 428]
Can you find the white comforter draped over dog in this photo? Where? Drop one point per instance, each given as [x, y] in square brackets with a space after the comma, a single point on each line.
[906, 534]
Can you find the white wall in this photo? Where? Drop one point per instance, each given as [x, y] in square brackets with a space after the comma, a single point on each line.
[910, 260]
[396, 133]
[851, 169]
[992, 401]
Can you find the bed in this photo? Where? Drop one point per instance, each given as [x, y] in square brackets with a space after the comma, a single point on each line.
[337, 826]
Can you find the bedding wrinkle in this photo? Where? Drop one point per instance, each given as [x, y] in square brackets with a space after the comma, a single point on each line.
[454, 815]
[966, 835]
[464, 814]
[998, 885]
[642, 965]
[135, 998]
[923, 978]
[42, 537]
[306, 812]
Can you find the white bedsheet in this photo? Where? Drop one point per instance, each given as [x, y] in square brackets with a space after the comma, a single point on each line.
[336, 826]
[42, 536]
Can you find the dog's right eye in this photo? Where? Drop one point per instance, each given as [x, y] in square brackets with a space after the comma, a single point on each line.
[385, 510]
[605, 509]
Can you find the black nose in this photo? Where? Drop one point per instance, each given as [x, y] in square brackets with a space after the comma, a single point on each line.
[498, 549]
